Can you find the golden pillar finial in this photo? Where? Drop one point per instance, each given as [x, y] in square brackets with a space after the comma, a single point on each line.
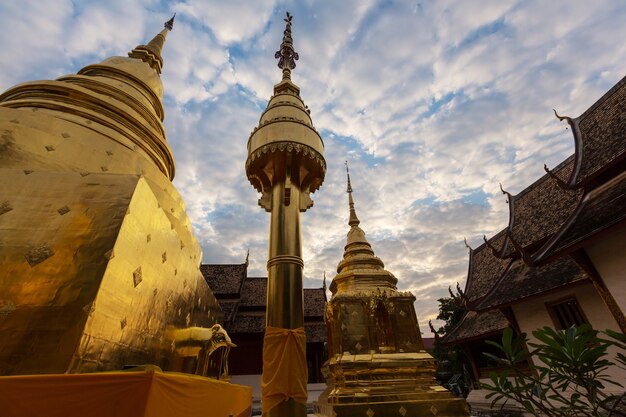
[354, 220]
[286, 55]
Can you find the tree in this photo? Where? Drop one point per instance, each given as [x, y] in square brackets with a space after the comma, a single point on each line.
[452, 363]
[567, 376]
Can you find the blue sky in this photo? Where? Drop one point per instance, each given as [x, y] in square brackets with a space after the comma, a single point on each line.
[433, 103]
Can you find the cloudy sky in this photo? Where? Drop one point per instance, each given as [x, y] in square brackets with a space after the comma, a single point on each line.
[433, 103]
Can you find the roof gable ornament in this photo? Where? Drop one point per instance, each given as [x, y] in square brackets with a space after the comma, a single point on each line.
[562, 184]
[526, 257]
[494, 251]
[433, 330]
[506, 193]
[561, 118]
[286, 55]
[469, 248]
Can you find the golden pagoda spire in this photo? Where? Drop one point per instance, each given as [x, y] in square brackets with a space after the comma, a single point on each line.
[354, 220]
[376, 358]
[151, 53]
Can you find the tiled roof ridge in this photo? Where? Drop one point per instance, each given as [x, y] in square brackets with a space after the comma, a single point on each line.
[529, 228]
[567, 273]
[574, 180]
[465, 324]
[546, 177]
[454, 328]
[473, 293]
[543, 254]
[602, 99]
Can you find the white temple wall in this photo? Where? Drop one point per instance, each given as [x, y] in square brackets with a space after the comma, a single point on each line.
[608, 255]
[533, 314]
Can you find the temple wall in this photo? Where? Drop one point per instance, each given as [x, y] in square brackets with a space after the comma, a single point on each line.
[609, 257]
[533, 314]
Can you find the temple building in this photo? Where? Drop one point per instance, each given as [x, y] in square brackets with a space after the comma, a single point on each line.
[99, 263]
[561, 259]
[242, 299]
[377, 363]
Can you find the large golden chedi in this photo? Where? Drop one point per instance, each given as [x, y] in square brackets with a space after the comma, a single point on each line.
[98, 263]
[377, 364]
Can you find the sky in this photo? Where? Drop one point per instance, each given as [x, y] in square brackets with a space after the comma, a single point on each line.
[432, 103]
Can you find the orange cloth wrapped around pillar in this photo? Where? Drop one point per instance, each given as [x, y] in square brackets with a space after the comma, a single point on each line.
[284, 366]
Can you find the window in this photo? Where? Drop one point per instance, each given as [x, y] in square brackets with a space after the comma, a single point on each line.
[566, 313]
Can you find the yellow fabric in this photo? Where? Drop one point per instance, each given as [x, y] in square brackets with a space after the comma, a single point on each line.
[284, 367]
[122, 394]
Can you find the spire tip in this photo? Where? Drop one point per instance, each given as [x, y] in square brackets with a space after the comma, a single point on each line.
[169, 25]
[286, 55]
[354, 220]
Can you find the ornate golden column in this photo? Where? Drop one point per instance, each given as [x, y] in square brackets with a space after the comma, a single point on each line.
[285, 164]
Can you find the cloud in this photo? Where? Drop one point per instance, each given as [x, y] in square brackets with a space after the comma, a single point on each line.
[432, 103]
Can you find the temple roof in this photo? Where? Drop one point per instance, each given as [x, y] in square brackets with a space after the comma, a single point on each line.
[600, 209]
[541, 208]
[476, 325]
[521, 281]
[553, 217]
[600, 135]
[249, 323]
[253, 292]
[224, 278]
[243, 301]
[485, 268]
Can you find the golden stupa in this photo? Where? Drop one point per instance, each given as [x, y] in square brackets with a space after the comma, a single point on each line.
[285, 164]
[99, 265]
[377, 364]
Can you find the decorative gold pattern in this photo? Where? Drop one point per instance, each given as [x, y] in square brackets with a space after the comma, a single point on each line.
[137, 277]
[38, 255]
[5, 207]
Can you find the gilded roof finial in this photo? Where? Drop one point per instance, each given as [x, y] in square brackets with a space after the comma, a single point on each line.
[247, 254]
[170, 23]
[286, 55]
[354, 220]
[151, 53]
